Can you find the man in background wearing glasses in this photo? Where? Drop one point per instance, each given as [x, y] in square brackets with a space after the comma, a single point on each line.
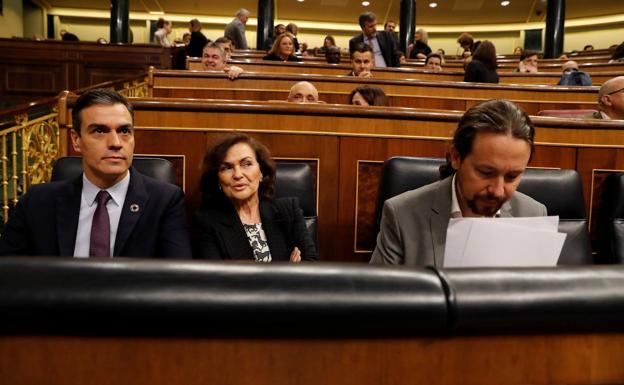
[611, 100]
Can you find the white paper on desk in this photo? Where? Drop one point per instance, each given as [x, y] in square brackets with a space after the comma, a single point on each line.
[509, 242]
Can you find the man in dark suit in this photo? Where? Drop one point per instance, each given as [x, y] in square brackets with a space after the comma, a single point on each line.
[111, 209]
[385, 47]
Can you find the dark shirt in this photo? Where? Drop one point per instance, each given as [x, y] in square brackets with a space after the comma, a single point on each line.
[196, 46]
[419, 47]
[477, 72]
[275, 57]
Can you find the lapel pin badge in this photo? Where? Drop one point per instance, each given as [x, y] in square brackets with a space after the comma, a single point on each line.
[134, 208]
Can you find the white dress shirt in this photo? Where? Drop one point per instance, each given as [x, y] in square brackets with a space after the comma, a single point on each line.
[88, 204]
[379, 59]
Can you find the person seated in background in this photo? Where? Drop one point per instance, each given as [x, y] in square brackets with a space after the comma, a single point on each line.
[292, 29]
[368, 96]
[490, 150]
[517, 51]
[110, 209]
[101, 40]
[588, 47]
[213, 59]
[420, 49]
[198, 40]
[332, 55]
[571, 76]
[239, 218]
[385, 48]
[528, 62]
[304, 49]
[282, 50]
[362, 61]
[402, 59]
[161, 36]
[303, 92]
[226, 45]
[277, 30]
[186, 38]
[433, 62]
[618, 54]
[68, 36]
[329, 41]
[441, 52]
[482, 67]
[390, 26]
[610, 100]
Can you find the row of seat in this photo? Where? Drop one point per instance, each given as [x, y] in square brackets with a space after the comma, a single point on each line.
[559, 190]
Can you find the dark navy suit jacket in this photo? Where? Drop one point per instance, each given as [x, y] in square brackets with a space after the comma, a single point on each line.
[45, 220]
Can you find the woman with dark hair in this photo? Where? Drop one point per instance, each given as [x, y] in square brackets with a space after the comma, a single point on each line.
[482, 67]
[368, 96]
[618, 54]
[293, 30]
[283, 49]
[329, 41]
[239, 218]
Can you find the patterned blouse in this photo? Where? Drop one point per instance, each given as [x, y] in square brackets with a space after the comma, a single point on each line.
[258, 241]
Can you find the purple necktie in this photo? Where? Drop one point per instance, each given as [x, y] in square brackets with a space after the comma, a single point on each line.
[100, 228]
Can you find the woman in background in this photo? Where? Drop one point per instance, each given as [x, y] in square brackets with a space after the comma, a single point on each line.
[198, 40]
[368, 96]
[282, 50]
[420, 48]
[161, 36]
[239, 217]
[482, 67]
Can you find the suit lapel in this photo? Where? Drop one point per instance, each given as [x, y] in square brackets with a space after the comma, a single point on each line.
[272, 223]
[134, 205]
[67, 213]
[440, 214]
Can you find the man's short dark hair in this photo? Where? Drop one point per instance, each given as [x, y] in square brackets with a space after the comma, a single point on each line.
[527, 53]
[95, 97]
[433, 55]
[366, 16]
[388, 22]
[493, 116]
[362, 48]
[332, 55]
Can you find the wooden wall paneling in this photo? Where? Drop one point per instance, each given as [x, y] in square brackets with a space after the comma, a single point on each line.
[479, 360]
[360, 165]
[594, 165]
[277, 82]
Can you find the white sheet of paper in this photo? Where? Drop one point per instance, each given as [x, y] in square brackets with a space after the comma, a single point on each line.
[510, 242]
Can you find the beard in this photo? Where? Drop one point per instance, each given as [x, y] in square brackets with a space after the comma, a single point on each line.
[486, 205]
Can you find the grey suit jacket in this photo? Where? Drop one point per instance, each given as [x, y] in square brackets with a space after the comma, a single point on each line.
[235, 31]
[413, 224]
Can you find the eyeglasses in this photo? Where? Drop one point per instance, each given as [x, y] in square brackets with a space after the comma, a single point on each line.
[616, 91]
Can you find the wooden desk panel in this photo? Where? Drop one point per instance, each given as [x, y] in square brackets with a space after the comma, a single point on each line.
[479, 360]
[345, 84]
[403, 73]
